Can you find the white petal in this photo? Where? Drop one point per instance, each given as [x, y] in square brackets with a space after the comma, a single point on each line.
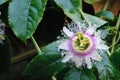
[88, 62]
[102, 46]
[64, 45]
[67, 57]
[102, 33]
[95, 55]
[91, 29]
[78, 61]
[67, 32]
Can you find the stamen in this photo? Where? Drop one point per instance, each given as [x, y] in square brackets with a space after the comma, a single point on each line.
[80, 42]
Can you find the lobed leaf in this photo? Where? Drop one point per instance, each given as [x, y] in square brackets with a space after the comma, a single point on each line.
[46, 65]
[115, 57]
[70, 8]
[94, 20]
[24, 16]
[3, 1]
[106, 15]
[106, 69]
[75, 74]
[91, 1]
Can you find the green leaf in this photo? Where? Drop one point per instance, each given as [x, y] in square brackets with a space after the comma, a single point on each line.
[94, 20]
[3, 1]
[24, 16]
[91, 1]
[75, 74]
[5, 55]
[48, 64]
[106, 15]
[115, 57]
[106, 69]
[70, 8]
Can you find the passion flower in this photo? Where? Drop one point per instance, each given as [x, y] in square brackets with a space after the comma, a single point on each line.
[2, 31]
[80, 44]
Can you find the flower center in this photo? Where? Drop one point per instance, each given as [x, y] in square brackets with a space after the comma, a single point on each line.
[81, 43]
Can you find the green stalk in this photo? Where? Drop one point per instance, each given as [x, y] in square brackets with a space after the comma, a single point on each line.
[116, 40]
[54, 78]
[36, 45]
[106, 5]
[23, 56]
[108, 52]
[115, 37]
[39, 51]
[82, 13]
[81, 4]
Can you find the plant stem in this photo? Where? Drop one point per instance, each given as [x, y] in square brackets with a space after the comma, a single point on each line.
[106, 5]
[23, 56]
[115, 37]
[82, 13]
[81, 4]
[39, 51]
[54, 78]
[118, 22]
[116, 40]
[108, 52]
[36, 45]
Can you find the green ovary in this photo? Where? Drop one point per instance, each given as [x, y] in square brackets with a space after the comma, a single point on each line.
[81, 42]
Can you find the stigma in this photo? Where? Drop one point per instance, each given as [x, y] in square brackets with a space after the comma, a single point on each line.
[81, 43]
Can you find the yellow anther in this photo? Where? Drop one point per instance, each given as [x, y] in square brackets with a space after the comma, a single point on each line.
[80, 35]
[81, 42]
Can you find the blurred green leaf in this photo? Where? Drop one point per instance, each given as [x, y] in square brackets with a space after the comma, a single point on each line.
[115, 57]
[24, 16]
[5, 55]
[107, 15]
[70, 8]
[106, 69]
[94, 20]
[48, 64]
[91, 1]
[75, 74]
[3, 1]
